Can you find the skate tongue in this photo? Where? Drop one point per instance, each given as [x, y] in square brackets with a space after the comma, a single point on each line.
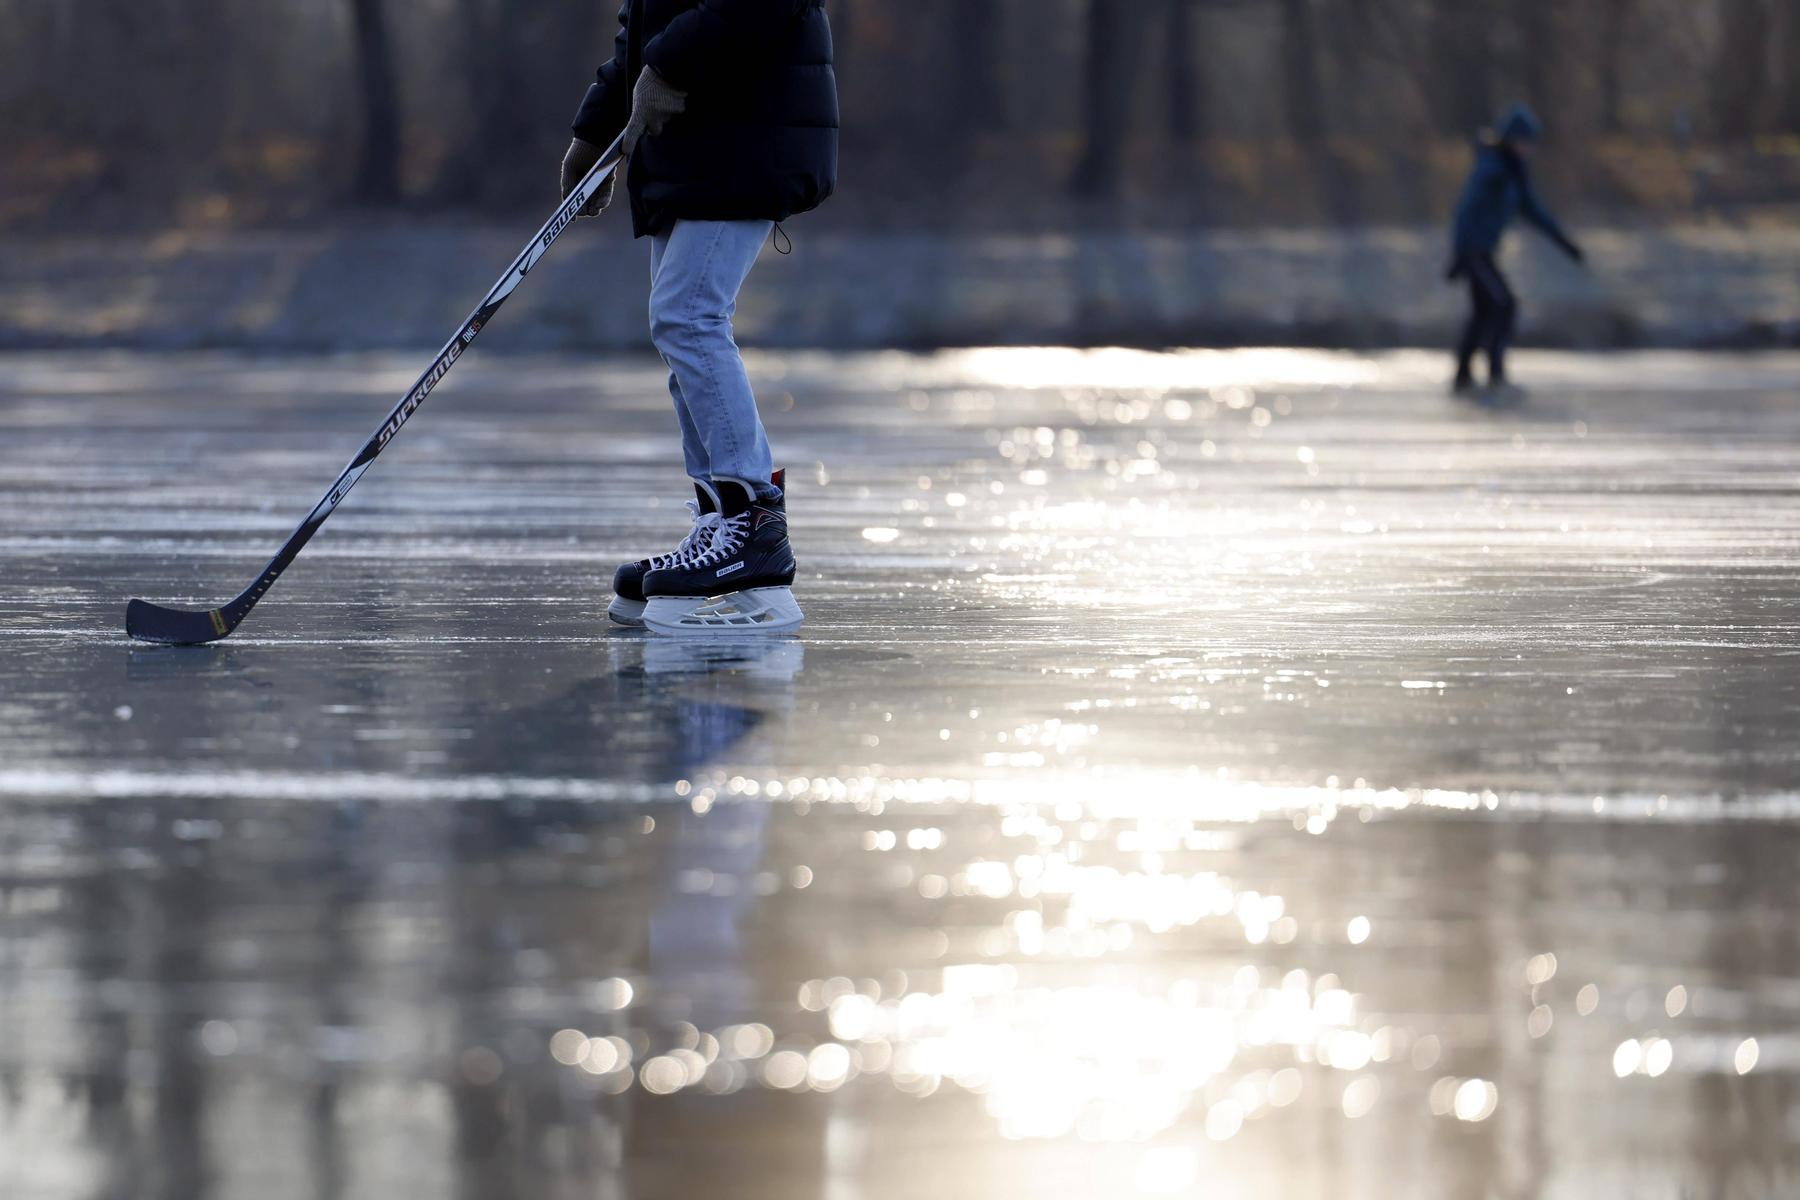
[707, 496]
[736, 497]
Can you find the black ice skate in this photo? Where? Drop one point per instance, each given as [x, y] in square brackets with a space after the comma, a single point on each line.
[742, 584]
[627, 607]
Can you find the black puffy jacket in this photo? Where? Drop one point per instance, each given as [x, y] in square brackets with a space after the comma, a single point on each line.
[759, 138]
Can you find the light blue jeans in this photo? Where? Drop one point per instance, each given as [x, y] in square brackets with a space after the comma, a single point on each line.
[696, 269]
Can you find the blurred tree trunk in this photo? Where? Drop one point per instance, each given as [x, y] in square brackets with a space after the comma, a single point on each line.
[1540, 49]
[378, 170]
[1461, 71]
[1740, 70]
[118, 41]
[1790, 71]
[1185, 118]
[975, 90]
[491, 158]
[1615, 22]
[1348, 28]
[1303, 94]
[198, 117]
[502, 118]
[841, 28]
[1356, 21]
[1114, 46]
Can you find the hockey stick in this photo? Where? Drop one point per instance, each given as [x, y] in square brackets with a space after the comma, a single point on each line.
[153, 623]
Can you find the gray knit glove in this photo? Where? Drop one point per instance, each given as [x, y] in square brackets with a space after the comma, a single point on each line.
[575, 166]
[654, 103]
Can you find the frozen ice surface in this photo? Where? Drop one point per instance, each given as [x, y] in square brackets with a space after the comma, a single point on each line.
[1226, 774]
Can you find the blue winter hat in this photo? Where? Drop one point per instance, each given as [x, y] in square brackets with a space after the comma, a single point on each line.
[1520, 124]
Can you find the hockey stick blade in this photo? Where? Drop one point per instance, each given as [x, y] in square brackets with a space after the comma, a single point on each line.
[173, 626]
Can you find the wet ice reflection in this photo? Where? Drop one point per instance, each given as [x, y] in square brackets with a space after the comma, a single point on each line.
[1203, 774]
[1104, 1064]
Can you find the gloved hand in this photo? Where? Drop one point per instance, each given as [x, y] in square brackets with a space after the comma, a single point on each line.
[654, 103]
[575, 165]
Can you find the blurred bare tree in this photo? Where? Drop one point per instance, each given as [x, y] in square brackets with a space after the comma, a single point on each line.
[1460, 45]
[1186, 117]
[1303, 91]
[1790, 69]
[378, 172]
[1615, 26]
[489, 63]
[1538, 45]
[1741, 70]
[978, 64]
[1115, 41]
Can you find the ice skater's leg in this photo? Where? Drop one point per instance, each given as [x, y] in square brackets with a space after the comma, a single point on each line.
[1473, 338]
[693, 296]
[1500, 310]
[1506, 321]
[693, 446]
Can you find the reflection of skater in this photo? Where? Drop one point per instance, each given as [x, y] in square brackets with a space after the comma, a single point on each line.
[1498, 189]
[775, 661]
[697, 934]
[729, 112]
[700, 965]
[716, 691]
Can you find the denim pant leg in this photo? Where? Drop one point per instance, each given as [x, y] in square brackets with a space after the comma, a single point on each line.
[697, 268]
[693, 449]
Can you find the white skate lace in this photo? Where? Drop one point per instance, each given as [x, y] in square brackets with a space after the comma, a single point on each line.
[696, 543]
[727, 539]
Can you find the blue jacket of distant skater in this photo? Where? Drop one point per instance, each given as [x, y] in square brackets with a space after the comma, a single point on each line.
[1499, 189]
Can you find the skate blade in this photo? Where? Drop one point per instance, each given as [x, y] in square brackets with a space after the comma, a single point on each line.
[758, 611]
[626, 612]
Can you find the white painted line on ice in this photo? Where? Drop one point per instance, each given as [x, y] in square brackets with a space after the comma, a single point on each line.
[58, 784]
[1103, 794]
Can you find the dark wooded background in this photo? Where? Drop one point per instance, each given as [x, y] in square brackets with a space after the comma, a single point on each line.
[960, 114]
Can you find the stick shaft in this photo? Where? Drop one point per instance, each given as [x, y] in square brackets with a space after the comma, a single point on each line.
[427, 382]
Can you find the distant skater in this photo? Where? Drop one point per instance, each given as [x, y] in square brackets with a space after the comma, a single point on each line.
[730, 114]
[1499, 188]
